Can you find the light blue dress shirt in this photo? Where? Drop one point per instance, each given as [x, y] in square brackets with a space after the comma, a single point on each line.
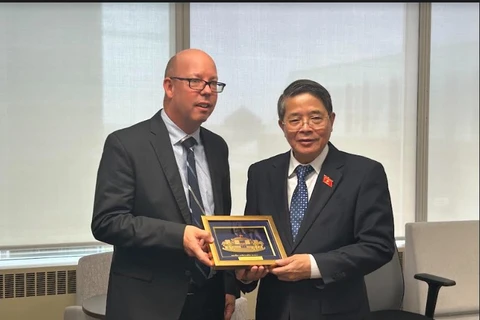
[203, 174]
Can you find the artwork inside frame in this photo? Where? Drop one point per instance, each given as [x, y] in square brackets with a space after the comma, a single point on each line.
[243, 241]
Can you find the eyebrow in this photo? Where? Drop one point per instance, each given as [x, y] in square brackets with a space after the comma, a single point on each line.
[196, 75]
[315, 112]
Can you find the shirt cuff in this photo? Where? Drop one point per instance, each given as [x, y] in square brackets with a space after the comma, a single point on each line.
[245, 281]
[314, 270]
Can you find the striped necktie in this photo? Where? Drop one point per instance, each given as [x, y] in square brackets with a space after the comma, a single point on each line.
[201, 271]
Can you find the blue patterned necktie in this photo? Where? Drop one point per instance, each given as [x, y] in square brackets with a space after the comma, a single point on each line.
[201, 271]
[299, 203]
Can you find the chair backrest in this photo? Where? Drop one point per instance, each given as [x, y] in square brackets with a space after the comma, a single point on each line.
[92, 275]
[241, 309]
[449, 250]
[385, 286]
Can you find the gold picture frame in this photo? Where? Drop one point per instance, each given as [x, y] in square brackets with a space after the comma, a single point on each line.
[243, 241]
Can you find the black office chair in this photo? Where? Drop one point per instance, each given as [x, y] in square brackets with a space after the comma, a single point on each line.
[385, 288]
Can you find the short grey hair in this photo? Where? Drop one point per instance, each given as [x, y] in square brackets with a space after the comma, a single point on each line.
[304, 86]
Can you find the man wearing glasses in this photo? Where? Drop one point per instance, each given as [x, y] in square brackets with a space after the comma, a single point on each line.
[155, 180]
[333, 213]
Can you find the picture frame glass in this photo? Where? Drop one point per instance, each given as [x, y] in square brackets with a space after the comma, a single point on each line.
[244, 240]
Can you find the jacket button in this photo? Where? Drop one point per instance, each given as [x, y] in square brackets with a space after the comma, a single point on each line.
[188, 273]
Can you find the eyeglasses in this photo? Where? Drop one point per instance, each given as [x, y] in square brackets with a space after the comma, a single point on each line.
[314, 122]
[199, 84]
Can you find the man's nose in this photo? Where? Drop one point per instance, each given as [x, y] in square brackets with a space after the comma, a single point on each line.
[305, 125]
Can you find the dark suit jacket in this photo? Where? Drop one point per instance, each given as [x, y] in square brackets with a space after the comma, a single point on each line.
[348, 228]
[141, 208]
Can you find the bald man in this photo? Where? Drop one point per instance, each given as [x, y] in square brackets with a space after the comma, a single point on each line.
[146, 202]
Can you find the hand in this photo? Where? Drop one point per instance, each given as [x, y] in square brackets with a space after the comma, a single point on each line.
[294, 268]
[253, 274]
[195, 244]
[229, 306]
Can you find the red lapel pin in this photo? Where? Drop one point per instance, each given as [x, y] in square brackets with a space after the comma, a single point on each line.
[327, 180]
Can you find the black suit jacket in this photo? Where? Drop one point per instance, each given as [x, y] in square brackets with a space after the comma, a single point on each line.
[141, 208]
[348, 228]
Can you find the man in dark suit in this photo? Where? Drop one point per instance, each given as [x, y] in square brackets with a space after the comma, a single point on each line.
[333, 213]
[151, 190]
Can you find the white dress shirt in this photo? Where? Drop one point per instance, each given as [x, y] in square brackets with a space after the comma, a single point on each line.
[310, 180]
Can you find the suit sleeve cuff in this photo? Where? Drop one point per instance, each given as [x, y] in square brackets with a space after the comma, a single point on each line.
[314, 270]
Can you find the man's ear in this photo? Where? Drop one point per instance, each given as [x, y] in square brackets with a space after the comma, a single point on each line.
[168, 87]
[281, 124]
[332, 119]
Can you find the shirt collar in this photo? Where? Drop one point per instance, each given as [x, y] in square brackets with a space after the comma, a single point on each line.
[316, 163]
[176, 134]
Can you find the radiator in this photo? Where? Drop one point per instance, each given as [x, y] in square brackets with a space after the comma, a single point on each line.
[36, 293]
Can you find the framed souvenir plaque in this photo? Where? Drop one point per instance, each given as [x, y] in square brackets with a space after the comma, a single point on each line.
[243, 241]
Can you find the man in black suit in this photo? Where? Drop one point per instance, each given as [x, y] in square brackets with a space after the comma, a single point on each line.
[151, 189]
[333, 213]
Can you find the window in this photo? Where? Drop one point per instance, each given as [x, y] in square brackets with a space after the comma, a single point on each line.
[364, 54]
[70, 74]
[453, 129]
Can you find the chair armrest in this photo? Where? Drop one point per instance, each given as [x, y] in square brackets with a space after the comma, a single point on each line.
[434, 284]
[436, 280]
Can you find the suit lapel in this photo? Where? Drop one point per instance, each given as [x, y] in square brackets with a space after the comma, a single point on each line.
[213, 163]
[162, 145]
[278, 183]
[322, 192]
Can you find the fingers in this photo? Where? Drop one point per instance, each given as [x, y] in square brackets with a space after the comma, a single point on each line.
[285, 273]
[229, 306]
[283, 262]
[200, 237]
[294, 268]
[205, 236]
[280, 270]
[257, 272]
[202, 256]
[240, 273]
[228, 313]
[253, 274]
[195, 243]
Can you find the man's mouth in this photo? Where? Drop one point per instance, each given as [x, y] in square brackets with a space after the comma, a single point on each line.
[204, 105]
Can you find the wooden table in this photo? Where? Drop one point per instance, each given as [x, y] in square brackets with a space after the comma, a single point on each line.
[95, 306]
